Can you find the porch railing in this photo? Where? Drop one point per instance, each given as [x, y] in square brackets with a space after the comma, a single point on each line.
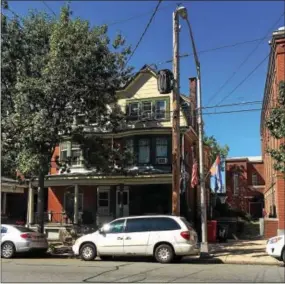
[53, 217]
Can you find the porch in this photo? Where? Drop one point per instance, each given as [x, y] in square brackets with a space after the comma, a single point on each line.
[88, 201]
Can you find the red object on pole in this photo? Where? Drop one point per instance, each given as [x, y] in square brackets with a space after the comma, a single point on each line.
[212, 231]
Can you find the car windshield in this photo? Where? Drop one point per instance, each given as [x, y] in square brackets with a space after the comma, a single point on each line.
[24, 229]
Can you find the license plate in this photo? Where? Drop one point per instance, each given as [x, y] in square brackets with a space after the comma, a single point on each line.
[37, 245]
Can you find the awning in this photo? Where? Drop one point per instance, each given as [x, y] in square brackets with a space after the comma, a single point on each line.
[12, 188]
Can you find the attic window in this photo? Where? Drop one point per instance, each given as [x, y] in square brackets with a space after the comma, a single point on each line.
[134, 110]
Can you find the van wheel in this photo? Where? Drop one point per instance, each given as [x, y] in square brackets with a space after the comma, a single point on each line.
[8, 250]
[87, 252]
[164, 253]
[283, 255]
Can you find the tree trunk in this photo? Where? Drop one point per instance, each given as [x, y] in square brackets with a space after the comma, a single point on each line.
[40, 204]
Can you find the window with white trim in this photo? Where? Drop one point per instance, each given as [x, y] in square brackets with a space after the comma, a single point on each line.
[146, 109]
[104, 202]
[254, 179]
[134, 110]
[64, 151]
[161, 147]
[236, 183]
[144, 151]
[160, 109]
[76, 155]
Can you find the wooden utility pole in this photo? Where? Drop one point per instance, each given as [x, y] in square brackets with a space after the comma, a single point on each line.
[176, 120]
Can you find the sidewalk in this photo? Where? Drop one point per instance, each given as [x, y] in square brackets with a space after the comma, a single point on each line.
[239, 252]
[232, 252]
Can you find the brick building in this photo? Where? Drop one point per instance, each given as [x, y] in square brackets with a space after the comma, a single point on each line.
[274, 181]
[245, 184]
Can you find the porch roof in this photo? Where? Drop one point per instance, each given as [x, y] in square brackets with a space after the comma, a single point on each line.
[11, 186]
[66, 180]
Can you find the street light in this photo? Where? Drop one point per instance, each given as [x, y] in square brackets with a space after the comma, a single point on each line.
[182, 12]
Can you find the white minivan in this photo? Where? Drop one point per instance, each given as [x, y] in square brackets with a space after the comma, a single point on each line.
[165, 237]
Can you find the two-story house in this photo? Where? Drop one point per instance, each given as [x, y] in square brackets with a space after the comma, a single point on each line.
[245, 184]
[147, 133]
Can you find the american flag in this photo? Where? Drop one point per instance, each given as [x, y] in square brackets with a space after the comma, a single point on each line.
[194, 179]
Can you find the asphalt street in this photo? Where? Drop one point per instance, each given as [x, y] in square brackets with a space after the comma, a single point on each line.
[75, 270]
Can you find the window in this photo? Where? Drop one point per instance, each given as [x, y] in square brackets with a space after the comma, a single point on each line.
[3, 230]
[64, 151]
[116, 227]
[254, 179]
[23, 229]
[160, 109]
[76, 155]
[103, 202]
[144, 151]
[134, 110]
[164, 224]
[139, 225]
[130, 150]
[146, 109]
[236, 188]
[161, 148]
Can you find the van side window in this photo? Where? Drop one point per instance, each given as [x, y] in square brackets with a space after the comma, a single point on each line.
[138, 225]
[164, 224]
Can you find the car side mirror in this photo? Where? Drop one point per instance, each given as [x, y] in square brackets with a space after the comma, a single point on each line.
[104, 229]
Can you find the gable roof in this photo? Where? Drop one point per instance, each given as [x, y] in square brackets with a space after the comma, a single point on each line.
[145, 69]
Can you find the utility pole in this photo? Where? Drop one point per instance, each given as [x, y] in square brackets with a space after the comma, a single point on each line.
[204, 251]
[176, 120]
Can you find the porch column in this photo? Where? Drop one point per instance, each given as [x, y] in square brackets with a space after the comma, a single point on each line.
[4, 203]
[75, 220]
[30, 205]
[121, 200]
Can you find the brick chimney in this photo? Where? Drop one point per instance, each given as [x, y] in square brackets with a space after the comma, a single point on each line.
[193, 101]
[193, 90]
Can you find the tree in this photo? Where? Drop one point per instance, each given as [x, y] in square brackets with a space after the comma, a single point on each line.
[276, 125]
[216, 149]
[56, 70]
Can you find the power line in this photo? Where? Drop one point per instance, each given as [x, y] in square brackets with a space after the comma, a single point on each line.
[210, 50]
[246, 59]
[143, 34]
[137, 16]
[49, 8]
[234, 104]
[246, 78]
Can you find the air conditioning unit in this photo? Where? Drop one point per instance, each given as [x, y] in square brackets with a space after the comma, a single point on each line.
[161, 161]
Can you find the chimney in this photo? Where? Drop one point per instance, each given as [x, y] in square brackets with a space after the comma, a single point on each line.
[193, 99]
[193, 90]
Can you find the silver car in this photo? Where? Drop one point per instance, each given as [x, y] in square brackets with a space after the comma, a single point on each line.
[19, 239]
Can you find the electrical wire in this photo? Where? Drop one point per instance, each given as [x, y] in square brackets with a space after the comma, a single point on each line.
[145, 30]
[245, 79]
[49, 8]
[246, 59]
[137, 16]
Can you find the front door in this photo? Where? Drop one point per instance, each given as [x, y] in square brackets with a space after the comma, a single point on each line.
[126, 200]
[111, 242]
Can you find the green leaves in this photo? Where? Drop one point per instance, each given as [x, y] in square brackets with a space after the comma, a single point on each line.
[216, 149]
[52, 70]
[276, 125]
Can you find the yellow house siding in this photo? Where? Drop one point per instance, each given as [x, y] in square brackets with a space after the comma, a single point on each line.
[145, 87]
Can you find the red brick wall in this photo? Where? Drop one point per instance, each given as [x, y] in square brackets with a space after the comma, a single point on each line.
[270, 228]
[56, 198]
[245, 168]
[281, 202]
[274, 184]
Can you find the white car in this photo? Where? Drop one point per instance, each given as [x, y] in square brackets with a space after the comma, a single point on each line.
[275, 247]
[19, 239]
[164, 237]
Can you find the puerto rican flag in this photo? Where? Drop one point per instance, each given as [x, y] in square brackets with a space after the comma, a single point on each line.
[217, 174]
